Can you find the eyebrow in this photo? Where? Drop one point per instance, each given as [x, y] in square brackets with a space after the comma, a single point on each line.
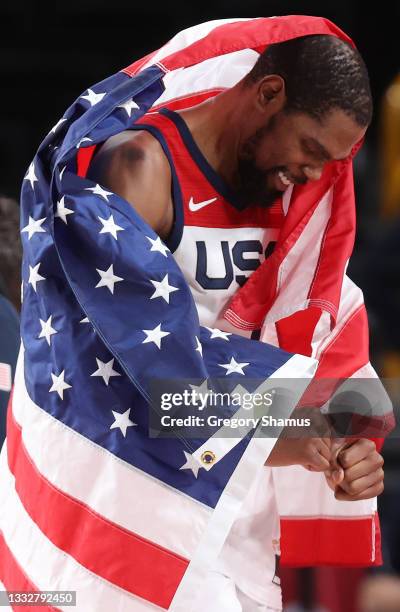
[317, 145]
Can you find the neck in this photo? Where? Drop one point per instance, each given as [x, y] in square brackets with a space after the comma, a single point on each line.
[216, 128]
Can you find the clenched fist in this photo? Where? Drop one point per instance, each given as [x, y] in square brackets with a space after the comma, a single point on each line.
[356, 470]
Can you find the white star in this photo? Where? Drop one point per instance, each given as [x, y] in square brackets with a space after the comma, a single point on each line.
[155, 335]
[105, 370]
[59, 385]
[34, 226]
[57, 125]
[47, 329]
[202, 392]
[62, 172]
[122, 421]
[158, 246]
[98, 190]
[217, 333]
[30, 175]
[199, 348]
[82, 140]
[110, 227]
[163, 289]
[63, 211]
[34, 276]
[129, 105]
[234, 367]
[84, 320]
[191, 464]
[92, 97]
[108, 278]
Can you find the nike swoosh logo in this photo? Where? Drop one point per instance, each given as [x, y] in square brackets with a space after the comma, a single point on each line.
[198, 205]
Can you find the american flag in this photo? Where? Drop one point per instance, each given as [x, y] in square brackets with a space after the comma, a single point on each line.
[88, 501]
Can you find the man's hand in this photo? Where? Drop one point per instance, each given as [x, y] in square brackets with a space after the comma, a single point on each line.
[312, 453]
[294, 448]
[356, 470]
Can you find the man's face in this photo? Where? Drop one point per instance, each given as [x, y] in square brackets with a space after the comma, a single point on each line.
[292, 148]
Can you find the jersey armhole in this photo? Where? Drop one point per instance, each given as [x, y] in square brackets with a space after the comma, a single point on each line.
[175, 235]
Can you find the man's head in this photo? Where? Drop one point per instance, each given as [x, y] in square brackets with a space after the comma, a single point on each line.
[311, 103]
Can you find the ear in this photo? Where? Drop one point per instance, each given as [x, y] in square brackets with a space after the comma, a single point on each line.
[271, 94]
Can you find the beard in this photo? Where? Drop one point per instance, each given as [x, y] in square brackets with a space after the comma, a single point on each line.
[252, 187]
[252, 184]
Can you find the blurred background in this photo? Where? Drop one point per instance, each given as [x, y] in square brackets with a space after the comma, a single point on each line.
[53, 52]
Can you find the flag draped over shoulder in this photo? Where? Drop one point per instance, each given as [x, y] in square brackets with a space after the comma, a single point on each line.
[88, 501]
[300, 296]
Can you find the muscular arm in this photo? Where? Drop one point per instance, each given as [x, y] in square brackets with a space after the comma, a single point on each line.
[133, 165]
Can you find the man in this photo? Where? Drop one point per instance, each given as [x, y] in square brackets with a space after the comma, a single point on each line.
[132, 522]
[208, 175]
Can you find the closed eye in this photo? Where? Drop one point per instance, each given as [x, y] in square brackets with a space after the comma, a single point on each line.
[315, 155]
[319, 155]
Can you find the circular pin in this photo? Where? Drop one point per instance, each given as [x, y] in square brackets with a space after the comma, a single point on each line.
[208, 457]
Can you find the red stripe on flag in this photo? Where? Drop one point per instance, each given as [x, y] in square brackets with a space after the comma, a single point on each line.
[288, 331]
[188, 100]
[83, 159]
[339, 359]
[253, 34]
[14, 578]
[323, 541]
[119, 556]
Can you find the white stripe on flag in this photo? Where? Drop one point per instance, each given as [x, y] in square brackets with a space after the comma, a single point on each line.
[188, 37]
[73, 464]
[48, 567]
[215, 73]
[290, 495]
[351, 298]
[230, 502]
[297, 270]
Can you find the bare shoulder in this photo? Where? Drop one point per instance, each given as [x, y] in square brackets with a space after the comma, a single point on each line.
[133, 165]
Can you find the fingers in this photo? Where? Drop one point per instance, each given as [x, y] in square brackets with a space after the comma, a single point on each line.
[363, 468]
[323, 446]
[317, 455]
[356, 452]
[334, 479]
[357, 487]
[335, 474]
[368, 493]
[338, 445]
[356, 470]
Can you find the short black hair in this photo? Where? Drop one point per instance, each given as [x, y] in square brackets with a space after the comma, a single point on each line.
[321, 72]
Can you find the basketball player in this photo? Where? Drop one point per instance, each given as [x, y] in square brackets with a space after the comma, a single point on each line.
[204, 179]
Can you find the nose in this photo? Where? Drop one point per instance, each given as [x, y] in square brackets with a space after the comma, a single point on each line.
[313, 173]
